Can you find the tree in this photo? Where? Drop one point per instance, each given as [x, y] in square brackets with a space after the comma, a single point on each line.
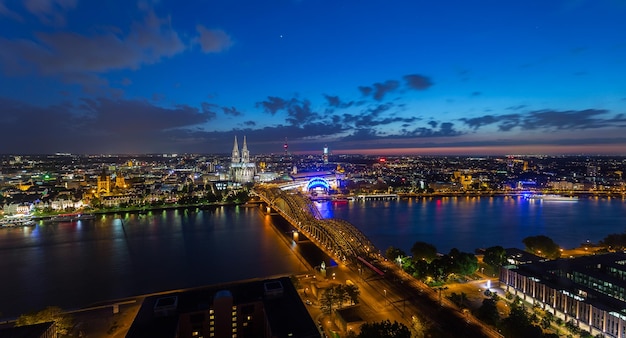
[341, 295]
[519, 324]
[464, 263]
[353, 293]
[326, 301]
[615, 241]
[54, 314]
[488, 312]
[384, 329]
[424, 251]
[542, 246]
[495, 257]
[392, 253]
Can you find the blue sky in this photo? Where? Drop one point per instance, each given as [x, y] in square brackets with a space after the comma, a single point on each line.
[378, 77]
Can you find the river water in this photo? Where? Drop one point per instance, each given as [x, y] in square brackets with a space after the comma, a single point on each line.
[75, 264]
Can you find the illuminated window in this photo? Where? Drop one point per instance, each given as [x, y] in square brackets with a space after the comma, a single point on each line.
[234, 307]
[211, 323]
[211, 329]
[211, 317]
[195, 333]
[234, 318]
[249, 318]
[211, 311]
[212, 334]
[234, 324]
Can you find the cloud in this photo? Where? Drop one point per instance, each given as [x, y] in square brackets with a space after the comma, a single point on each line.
[417, 82]
[298, 112]
[477, 122]
[570, 119]
[81, 58]
[446, 129]
[99, 125]
[232, 111]
[213, 40]
[51, 12]
[379, 90]
[335, 102]
[272, 105]
[550, 120]
[5, 11]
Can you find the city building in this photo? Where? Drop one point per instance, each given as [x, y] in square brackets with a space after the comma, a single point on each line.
[268, 308]
[589, 291]
[241, 169]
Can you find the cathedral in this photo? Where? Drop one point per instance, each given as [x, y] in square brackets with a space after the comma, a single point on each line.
[241, 169]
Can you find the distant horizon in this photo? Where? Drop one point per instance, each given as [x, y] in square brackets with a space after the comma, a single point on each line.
[374, 153]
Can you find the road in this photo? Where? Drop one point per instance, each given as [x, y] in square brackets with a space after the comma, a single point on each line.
[398, 297]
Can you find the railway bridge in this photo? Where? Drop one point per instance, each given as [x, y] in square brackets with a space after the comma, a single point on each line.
[337, 237]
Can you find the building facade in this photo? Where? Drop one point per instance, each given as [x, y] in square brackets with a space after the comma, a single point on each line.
[589, 291]
[242, 170]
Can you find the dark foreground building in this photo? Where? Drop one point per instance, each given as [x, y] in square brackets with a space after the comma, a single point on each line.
[41, 330]
[259, 308]
[589, 291]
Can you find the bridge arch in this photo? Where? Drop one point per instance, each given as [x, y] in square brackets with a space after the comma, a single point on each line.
[318, 182]
[340, 238]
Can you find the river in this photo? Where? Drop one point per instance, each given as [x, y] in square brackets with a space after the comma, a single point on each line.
[75, 264]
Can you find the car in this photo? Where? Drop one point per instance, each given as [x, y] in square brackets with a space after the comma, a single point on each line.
[308, 302]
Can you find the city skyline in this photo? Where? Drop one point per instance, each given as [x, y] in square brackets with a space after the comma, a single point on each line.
[450, 77]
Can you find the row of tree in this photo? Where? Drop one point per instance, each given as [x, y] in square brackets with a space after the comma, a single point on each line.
[337, 296]
[425, 262]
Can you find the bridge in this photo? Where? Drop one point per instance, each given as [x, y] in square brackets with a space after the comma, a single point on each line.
[337, 237]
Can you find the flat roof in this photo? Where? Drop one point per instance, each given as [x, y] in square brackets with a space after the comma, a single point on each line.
[286, 314]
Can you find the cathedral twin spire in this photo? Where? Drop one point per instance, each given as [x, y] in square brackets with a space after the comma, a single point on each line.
[245, 154]
[241, 169]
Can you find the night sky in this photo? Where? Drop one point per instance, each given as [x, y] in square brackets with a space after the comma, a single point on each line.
[373, 77]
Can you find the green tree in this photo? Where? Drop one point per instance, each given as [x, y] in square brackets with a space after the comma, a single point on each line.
[384, 329]
[392, 253]
[495, 257]
[542, 246]
[464, 263]
[54, 314]
[423, 251]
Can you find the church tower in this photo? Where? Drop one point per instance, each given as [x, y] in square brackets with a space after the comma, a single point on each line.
[235, 157]
[245, 154]
[241, 169]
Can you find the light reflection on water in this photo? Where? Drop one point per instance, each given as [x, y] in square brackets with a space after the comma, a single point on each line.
[74, 264]
[468, 223]
[70, 264]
